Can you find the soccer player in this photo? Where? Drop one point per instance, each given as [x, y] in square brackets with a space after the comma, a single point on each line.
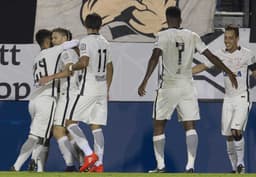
[90, 105]
[236, 103]
[43, 99]
[176, 90]
[68, 88]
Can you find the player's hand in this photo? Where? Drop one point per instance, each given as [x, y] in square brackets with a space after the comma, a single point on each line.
[141, 89]
[44, 80]
[233, 80]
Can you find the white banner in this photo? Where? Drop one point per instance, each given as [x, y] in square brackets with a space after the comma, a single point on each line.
[124, 20]
[130, 62]
[16, 81]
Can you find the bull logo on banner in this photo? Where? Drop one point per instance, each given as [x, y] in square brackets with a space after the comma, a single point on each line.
[144, 17]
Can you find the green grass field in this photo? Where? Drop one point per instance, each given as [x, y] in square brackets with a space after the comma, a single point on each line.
[61, 174]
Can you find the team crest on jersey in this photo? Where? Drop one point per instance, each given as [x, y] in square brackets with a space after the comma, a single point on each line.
[82, 46]
[129, 17]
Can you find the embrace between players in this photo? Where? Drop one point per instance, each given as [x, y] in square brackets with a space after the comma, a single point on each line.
[85, 99]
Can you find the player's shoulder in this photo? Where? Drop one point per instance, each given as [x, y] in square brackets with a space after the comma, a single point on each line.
[245, 50]
[103, 39]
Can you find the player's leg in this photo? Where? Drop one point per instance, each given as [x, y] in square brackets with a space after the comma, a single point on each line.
[43, 155]
[239, 150]
[82, 142]
[164, 105]
[192, 143]
[39, 155]
[238, 124]
[66, 149]
[98, 147]
[60, 132]
[231, 152]
[159, 144]
[26, 151]
[188, 112]
[42, 126]
[98, 118]
[78, 151]
[226, 119]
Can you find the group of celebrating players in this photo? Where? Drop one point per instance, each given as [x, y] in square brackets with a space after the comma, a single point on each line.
[72, 85]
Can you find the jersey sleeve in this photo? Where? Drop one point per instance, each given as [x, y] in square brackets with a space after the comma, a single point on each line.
[83, 48]
[70, 44]
[66, 57]
[199, 44]
[159, 41]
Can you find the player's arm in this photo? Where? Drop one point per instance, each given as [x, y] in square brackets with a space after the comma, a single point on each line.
[153, 61]
[217, 62]
[110, 71]
[199, 68]
[59, 75]
[81, 64]
[70, 44]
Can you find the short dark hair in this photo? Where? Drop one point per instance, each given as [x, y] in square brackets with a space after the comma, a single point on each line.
[64, 32]
[93, 21]
[41, 35]
[173, 12]
[233, 28]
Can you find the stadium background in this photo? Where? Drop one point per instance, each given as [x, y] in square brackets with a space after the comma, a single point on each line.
[129, 131]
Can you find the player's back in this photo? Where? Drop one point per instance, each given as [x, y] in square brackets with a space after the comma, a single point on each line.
[178, 47]
[94, 79]
[45, 64]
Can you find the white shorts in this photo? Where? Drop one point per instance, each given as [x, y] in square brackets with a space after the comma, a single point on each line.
[234, 113]
[183, 98]
[42, 109]
[89, 109]
[63, 108]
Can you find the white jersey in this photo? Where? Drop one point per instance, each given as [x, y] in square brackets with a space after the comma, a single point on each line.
[178, 47]
[70, 83]
[45, 64]
[238, 63]
[93, 81]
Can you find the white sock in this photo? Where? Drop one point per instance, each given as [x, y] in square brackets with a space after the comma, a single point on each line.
[191, 141]
[42, 157]
[239, 147]
[26, 151]
[78, 151]
[159, 143]
[232, 154]
[67, 150]
[98, 145]
[80, 139]
[36, 152]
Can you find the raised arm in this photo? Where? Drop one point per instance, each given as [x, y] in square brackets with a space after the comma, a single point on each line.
[217, 62]
[153, 61]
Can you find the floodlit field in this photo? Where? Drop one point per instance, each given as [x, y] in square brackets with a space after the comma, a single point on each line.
[61, 174]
